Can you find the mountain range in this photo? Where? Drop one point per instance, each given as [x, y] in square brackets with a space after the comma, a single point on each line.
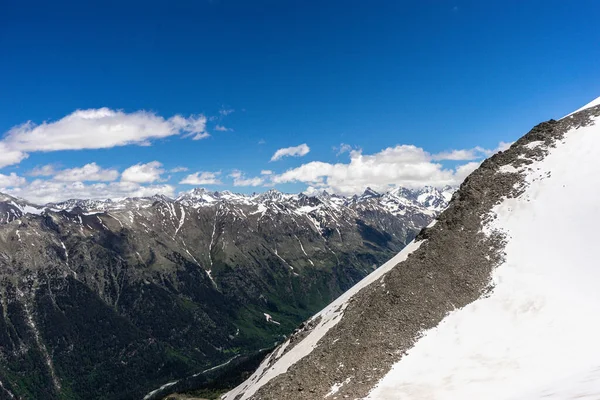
[110, 299]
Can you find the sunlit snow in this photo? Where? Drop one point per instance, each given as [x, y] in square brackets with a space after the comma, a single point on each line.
[536, 335]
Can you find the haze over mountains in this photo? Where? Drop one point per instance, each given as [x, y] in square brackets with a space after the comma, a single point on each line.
[110, 299]
[496, 299]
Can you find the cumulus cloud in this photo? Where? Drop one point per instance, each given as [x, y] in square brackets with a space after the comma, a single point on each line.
[89, 172]
[45, 191]
[95, 129]
[457, 155]
[226, 111]
[72, 183]
[11, 180]
[44, 170]
[10, 156]
[266, 172]
[502, 146]
[239, 179]
[462, 171]
[296, 151]
[403, 165]
[143, 173]
[202, 178]
[469, 154]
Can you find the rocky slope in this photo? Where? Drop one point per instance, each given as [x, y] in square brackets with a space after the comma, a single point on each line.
[111, 299]
[487, 302]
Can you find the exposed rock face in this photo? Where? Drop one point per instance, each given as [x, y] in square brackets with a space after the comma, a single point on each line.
[111, 299]
[352, 344]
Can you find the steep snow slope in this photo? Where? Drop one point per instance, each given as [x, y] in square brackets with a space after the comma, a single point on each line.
[497, 301]
[592, 103]
[536, 335]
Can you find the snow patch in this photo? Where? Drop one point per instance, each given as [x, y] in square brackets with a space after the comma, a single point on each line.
[508, 169]
[270, 319]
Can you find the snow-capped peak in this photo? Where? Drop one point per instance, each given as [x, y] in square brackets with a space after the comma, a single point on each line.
[270, 195]
[369, 193]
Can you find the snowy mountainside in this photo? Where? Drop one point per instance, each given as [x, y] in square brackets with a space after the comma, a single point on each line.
[12, 208]
[485, 303]
[132, 294]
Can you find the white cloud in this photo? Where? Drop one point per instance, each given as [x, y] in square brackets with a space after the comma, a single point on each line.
[462, 171]
[469, 154]
[502, 146]
[45, 191]
[70, 183]
[178, 169]
[266, 172]
[296, 151]
[89, 172]
[11, 180]
[95, 129]
[239, 179]
[226, 111]
[344, 148]
[200, 136]
[143, 173]
[202, 178]
[222, 128]
[404, 165]
[44, 170]
[10, 156]
[458, 155]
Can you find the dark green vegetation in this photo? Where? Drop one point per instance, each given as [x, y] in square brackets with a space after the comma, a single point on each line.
[214, 382]
[114, 303]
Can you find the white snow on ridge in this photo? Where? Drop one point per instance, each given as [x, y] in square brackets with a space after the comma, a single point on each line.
[592, 103]
[330, 316]
[536, 335]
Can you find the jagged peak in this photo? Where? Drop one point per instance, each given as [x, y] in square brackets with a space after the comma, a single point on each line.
[270, 195]
[162, 197]
[369, 193]
[198, 191]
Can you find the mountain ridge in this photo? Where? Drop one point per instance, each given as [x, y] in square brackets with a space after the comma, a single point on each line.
[201, 196]
[356, 341]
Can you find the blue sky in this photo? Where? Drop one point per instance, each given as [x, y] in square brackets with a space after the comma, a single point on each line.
[439, 84]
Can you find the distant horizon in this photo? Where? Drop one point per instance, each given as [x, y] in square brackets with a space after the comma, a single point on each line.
[131, 100]
[210, 191]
